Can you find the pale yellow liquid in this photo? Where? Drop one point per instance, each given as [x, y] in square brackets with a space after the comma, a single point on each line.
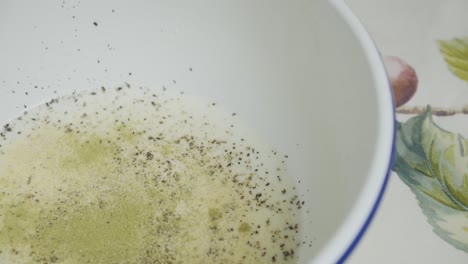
[132, 176]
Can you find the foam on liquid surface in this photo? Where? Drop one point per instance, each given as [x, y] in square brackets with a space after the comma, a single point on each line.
[130, 175]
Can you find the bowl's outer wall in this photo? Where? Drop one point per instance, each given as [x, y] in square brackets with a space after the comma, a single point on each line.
[293, 70]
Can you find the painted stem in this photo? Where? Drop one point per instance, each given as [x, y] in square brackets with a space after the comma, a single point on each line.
[437, 111]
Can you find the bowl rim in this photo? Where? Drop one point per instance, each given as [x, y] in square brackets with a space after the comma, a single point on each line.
[344, 241]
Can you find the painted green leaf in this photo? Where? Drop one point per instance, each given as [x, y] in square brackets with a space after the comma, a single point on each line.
[433, 162]
[455, 53]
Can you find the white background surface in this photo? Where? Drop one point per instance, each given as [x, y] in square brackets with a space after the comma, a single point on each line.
[409, 29]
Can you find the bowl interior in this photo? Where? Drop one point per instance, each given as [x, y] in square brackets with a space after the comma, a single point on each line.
[293, 71]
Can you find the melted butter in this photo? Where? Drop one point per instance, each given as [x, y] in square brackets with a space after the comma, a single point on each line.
[129, 176]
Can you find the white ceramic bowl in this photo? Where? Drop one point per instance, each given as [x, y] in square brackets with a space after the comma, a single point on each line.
[298, 72]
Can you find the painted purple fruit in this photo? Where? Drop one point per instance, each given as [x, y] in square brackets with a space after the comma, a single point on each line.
[403, 79]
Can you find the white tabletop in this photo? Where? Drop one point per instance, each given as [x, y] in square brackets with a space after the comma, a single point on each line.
[400, 232]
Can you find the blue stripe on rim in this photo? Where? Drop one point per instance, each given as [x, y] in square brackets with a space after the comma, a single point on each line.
[366, 225]
[371, 215]
[343, 9]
